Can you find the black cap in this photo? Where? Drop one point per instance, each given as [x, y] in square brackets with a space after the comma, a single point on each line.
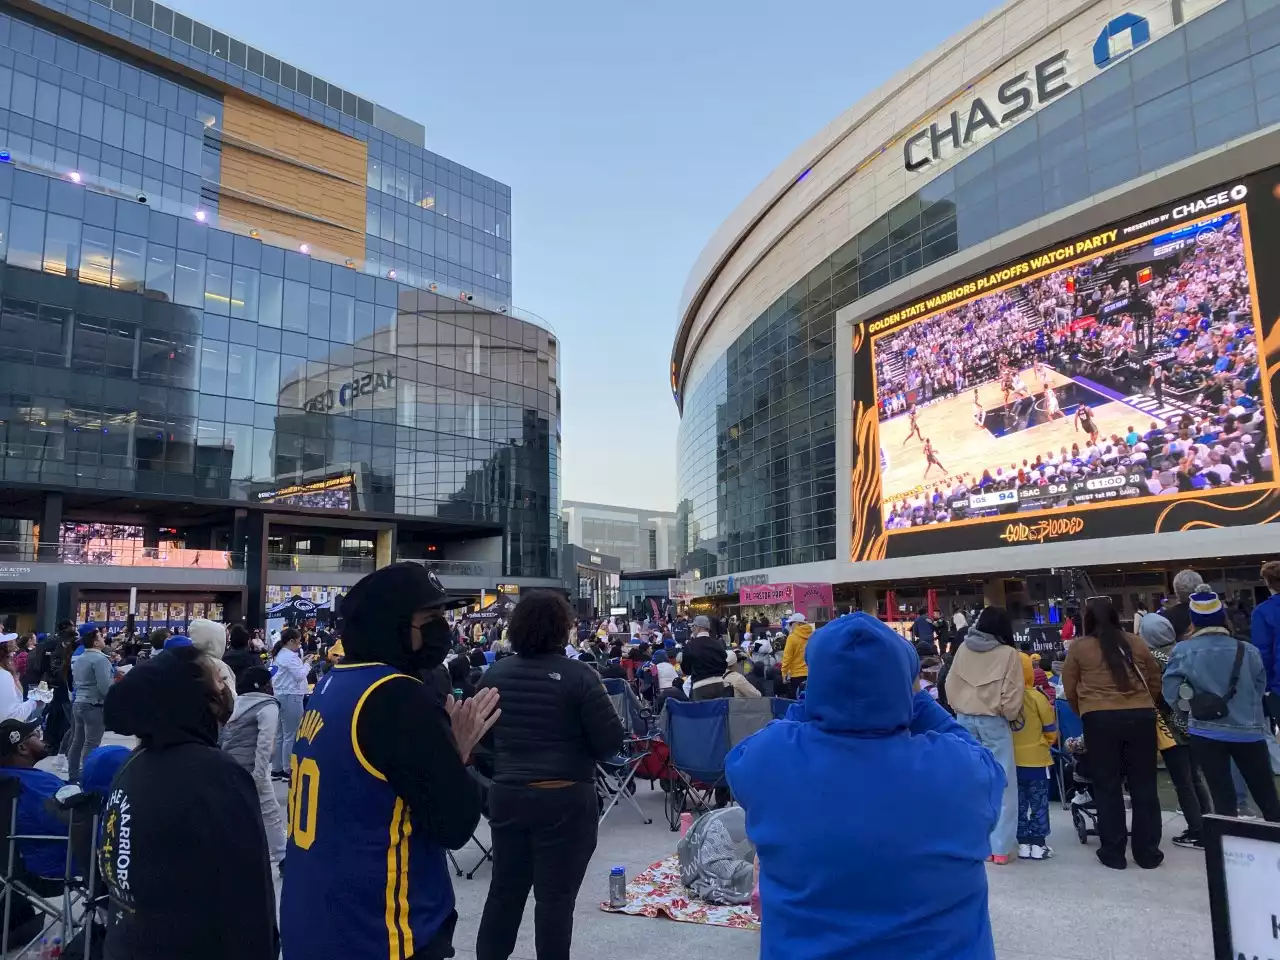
[12, 733]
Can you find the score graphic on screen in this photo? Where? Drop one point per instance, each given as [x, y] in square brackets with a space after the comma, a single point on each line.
[1122, 368]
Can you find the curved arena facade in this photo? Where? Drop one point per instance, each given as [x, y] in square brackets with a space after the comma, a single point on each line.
[1006, 313]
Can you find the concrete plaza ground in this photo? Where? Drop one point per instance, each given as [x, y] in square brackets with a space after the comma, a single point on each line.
[1068, 908]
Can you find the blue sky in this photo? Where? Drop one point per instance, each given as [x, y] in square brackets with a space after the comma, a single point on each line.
[627, 132]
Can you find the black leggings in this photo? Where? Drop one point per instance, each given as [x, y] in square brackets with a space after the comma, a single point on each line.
[1254, 760]
[542, 838]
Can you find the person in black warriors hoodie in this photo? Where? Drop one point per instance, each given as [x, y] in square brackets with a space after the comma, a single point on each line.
[182, 851]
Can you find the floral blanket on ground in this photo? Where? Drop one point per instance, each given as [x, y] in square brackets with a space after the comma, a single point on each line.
[658, 892]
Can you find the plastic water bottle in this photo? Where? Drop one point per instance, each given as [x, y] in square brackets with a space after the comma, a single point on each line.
[686, 821]
[55, 949]
[44, 949]
[618, 887]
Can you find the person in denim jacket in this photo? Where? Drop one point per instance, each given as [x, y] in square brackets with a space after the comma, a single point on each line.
[1203, 663]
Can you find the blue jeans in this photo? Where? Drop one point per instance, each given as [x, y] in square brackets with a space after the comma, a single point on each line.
[287, 731]
[1033, 810]
[994, 734]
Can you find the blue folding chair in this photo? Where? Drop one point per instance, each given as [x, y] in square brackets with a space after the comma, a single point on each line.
[1069, 726]
[615, 777]
[697, 736]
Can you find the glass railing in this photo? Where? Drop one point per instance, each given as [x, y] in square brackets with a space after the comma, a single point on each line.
[104, 552]
[491, 570]
[314, 563]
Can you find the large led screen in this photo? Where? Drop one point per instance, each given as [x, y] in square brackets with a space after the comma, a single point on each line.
[1117, 374]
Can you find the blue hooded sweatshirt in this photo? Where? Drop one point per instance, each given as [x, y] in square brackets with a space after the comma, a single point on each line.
[842, 807]
[1265, 633]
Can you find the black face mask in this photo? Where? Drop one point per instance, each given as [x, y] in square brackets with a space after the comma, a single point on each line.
[437, 640]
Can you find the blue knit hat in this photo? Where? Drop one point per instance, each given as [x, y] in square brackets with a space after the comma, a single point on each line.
[1206, 610]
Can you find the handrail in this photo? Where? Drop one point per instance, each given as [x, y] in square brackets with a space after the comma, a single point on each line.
[106, 552]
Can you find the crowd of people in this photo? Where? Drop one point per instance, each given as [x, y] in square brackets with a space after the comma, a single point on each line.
[509, 722]
[1203, 350]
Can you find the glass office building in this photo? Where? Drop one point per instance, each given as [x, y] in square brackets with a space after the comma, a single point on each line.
[758, 459]
[224, 281]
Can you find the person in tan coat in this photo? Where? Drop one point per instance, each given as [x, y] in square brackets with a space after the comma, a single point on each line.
[984, 688]
[1112, 681]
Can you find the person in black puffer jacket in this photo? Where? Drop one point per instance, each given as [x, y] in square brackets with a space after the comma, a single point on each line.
[704, 661]
[556, 723]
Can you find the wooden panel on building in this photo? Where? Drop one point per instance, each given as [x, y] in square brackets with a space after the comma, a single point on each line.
[285, 161]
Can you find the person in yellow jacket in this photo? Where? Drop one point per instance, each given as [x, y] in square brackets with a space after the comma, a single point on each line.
[1035, 729]
[795, 671]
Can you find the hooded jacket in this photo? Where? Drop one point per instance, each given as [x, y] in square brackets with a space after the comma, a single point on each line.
[211, 638]
[182, 846]
[1264, 631]
[985, 678]
[878, 887]
[794, 665]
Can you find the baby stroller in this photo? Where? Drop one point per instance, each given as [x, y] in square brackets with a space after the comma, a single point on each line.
[1084, 809]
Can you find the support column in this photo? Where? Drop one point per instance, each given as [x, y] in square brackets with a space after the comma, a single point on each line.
[254, 528]
[50, 526]
[385, 550]
[868, 600]
[993, 592]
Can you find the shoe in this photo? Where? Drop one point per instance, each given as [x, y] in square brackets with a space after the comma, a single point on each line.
[1082, 797]
[1152, 863]
[1024, 851]
[1189, 840]
[1041, 852]
[279, 775]
[999, 859]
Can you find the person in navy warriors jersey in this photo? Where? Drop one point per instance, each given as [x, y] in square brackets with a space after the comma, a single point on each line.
[379, 788]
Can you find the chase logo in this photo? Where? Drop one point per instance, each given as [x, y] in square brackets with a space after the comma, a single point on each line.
[1110, 45]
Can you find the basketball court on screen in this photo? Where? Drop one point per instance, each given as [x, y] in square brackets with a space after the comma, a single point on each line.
[966, 449]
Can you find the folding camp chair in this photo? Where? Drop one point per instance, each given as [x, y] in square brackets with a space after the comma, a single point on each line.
[1069, 726]
[486, 857]
[615, 777]
[64, 906]
[482, 758]
[697, 735]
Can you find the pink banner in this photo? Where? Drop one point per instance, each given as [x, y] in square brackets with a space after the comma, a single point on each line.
[764, 594]
[811, 595]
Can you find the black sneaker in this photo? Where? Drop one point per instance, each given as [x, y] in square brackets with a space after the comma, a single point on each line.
[279, 775]
[1189, 840]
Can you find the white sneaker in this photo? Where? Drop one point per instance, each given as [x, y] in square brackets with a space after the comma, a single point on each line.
[1041, 853]
[1082, 797]
[1024, 851]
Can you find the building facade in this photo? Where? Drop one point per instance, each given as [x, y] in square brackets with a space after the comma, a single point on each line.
[640, 539]
[1004, 211]
[246, 313]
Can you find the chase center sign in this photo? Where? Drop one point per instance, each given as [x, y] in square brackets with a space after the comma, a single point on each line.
[1036, 77]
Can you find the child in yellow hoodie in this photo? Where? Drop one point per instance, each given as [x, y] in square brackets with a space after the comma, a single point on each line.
[1034, 731]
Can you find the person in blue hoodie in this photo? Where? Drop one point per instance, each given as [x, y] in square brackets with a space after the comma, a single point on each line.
[1264, 631]
[835, 795]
